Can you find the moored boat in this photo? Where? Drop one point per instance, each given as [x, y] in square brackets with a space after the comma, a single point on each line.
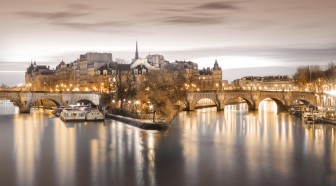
[82, 114]
[94, 115]
[70, 114]
[330, 116]
[310, 119]
[57, 111]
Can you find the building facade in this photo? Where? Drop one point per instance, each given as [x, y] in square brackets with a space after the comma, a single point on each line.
[97, 72]
[39, 77]
[266, 83]
[211, 79]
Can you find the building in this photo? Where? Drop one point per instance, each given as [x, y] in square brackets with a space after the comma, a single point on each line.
[267, 83]
[97, 72]
[157, 61]
[211, 79]
[89, 63]
[39, 77]
[189, 71]
[63, 81]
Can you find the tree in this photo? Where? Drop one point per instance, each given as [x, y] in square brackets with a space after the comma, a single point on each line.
[330, 73]
[159, 90]
[308, 76]
[123, 80]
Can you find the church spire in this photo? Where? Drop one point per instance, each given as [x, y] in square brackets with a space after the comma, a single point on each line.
[136, 51]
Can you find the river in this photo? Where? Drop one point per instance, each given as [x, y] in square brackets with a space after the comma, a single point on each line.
[203, 147]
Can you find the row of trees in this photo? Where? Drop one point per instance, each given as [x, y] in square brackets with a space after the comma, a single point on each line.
[314, 78]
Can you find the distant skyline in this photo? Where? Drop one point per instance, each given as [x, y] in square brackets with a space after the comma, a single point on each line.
[247, 37]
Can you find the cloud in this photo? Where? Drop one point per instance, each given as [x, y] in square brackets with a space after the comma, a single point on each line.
[223, 5]
[73, 17]
[73, 10]
[80, 6]
[114, 26]
[61, 15]
[199, 14]
[193, 19]
[287, 55]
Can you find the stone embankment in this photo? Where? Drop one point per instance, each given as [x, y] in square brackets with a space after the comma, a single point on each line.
[140, 123]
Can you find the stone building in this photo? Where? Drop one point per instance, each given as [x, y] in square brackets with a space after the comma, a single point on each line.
[211, 79]
[39, 77]
[189, 72]
[157, 61]
[88, 64]
[63, 81]
[267, 83]
[97, 71]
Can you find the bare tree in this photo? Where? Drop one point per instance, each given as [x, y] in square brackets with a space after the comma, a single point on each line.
[158, 90]
[309, 77]
[123, 81]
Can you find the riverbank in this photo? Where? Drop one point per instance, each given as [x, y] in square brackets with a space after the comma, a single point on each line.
[140, 123]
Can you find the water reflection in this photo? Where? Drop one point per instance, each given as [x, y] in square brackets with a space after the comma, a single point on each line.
[205, 147]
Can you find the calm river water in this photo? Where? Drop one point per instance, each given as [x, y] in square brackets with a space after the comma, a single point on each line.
[204, 147]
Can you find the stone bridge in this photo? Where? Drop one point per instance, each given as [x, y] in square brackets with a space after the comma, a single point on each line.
[252, 98]
[25, 99]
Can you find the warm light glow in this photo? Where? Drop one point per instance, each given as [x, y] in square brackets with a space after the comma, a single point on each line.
[332, 92]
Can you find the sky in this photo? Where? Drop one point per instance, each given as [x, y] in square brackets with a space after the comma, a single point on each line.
[247, 37]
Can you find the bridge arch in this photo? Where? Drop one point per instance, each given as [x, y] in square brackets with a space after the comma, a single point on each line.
[233, 100]
[205, 102]
[84, 102]
[14, 98]
[281, 105]
[57, 103]
[15, 102]
[298, 101]
[192, 104]
[36, 100]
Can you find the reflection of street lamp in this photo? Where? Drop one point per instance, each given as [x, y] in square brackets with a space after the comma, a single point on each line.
[151, 108]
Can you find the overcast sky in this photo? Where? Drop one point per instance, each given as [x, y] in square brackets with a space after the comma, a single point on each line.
[248, 37]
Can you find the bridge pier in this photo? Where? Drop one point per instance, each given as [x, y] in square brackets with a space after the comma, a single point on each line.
[23, 107]
[220, 105]
[190, 107]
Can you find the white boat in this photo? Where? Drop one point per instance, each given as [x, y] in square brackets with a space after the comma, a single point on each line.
[82, 114]
[70, 114]
[94, 115]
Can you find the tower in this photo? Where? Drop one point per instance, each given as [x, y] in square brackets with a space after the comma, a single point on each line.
[216, 66]
[136, 51]
[217, 76]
